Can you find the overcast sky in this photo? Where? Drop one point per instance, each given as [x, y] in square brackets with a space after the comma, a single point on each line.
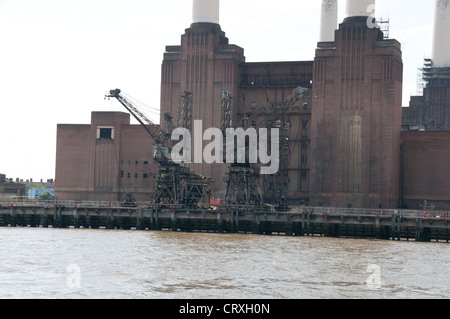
[59, 57]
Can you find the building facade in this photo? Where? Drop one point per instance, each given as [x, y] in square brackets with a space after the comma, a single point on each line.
[11, 190]
[426, 125]
[356, 119]
[104, 160]
[206, 64]
[342, 145]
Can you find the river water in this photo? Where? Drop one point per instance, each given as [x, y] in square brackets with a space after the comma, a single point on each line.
[77, 263]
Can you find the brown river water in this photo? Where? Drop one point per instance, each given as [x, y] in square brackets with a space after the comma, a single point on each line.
[77, 263]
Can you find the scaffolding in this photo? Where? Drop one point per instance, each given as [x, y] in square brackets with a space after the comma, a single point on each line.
[434, 76]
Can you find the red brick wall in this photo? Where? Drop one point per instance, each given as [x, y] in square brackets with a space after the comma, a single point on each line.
[72, 161]
[426, 169]
[92, 169]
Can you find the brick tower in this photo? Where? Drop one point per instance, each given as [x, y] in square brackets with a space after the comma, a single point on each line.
[356, 115]
[205, 64]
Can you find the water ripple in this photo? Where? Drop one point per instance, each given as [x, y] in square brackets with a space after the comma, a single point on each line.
[133, 264]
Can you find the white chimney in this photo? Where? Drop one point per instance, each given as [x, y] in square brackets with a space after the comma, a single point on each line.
[205, 11]
[441, 36]
[329, 20]
[360, 8]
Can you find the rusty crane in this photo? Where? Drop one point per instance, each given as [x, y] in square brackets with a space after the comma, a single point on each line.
[176, 186]
[243, 179]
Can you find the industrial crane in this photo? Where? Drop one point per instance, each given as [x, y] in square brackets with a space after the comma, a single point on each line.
[278, 112]
[176, 186]
[162, 139]
[277, 119]
[185, 111]
[243, 179]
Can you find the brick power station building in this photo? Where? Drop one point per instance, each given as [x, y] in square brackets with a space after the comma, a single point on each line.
[349, 143]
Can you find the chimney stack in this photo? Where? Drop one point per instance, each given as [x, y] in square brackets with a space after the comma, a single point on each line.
[359, 8]
[329, 20]
[441, 35]
[205, 11]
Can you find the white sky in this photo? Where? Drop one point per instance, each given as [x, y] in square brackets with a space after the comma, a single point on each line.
[59, 57]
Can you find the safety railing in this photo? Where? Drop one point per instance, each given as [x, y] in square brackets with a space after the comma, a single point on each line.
[373, 212]
[67, 203]
[297, 209]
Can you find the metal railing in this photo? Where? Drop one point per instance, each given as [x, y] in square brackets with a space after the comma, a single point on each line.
[373, 212]
[297, 209]
[66, 203]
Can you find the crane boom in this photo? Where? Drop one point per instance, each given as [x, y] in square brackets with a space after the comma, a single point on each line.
[278, 112]
[175, 186]
[161, 138]
[138, 115]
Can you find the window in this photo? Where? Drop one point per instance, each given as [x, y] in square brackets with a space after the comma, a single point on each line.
[105, 133]
[145, 176]
[305, 124]
[145, 162]
[135, 175]
[304, 144]
[121, 174]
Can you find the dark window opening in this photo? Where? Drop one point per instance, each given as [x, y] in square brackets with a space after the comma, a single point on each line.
[106, 133]
[305, 124]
